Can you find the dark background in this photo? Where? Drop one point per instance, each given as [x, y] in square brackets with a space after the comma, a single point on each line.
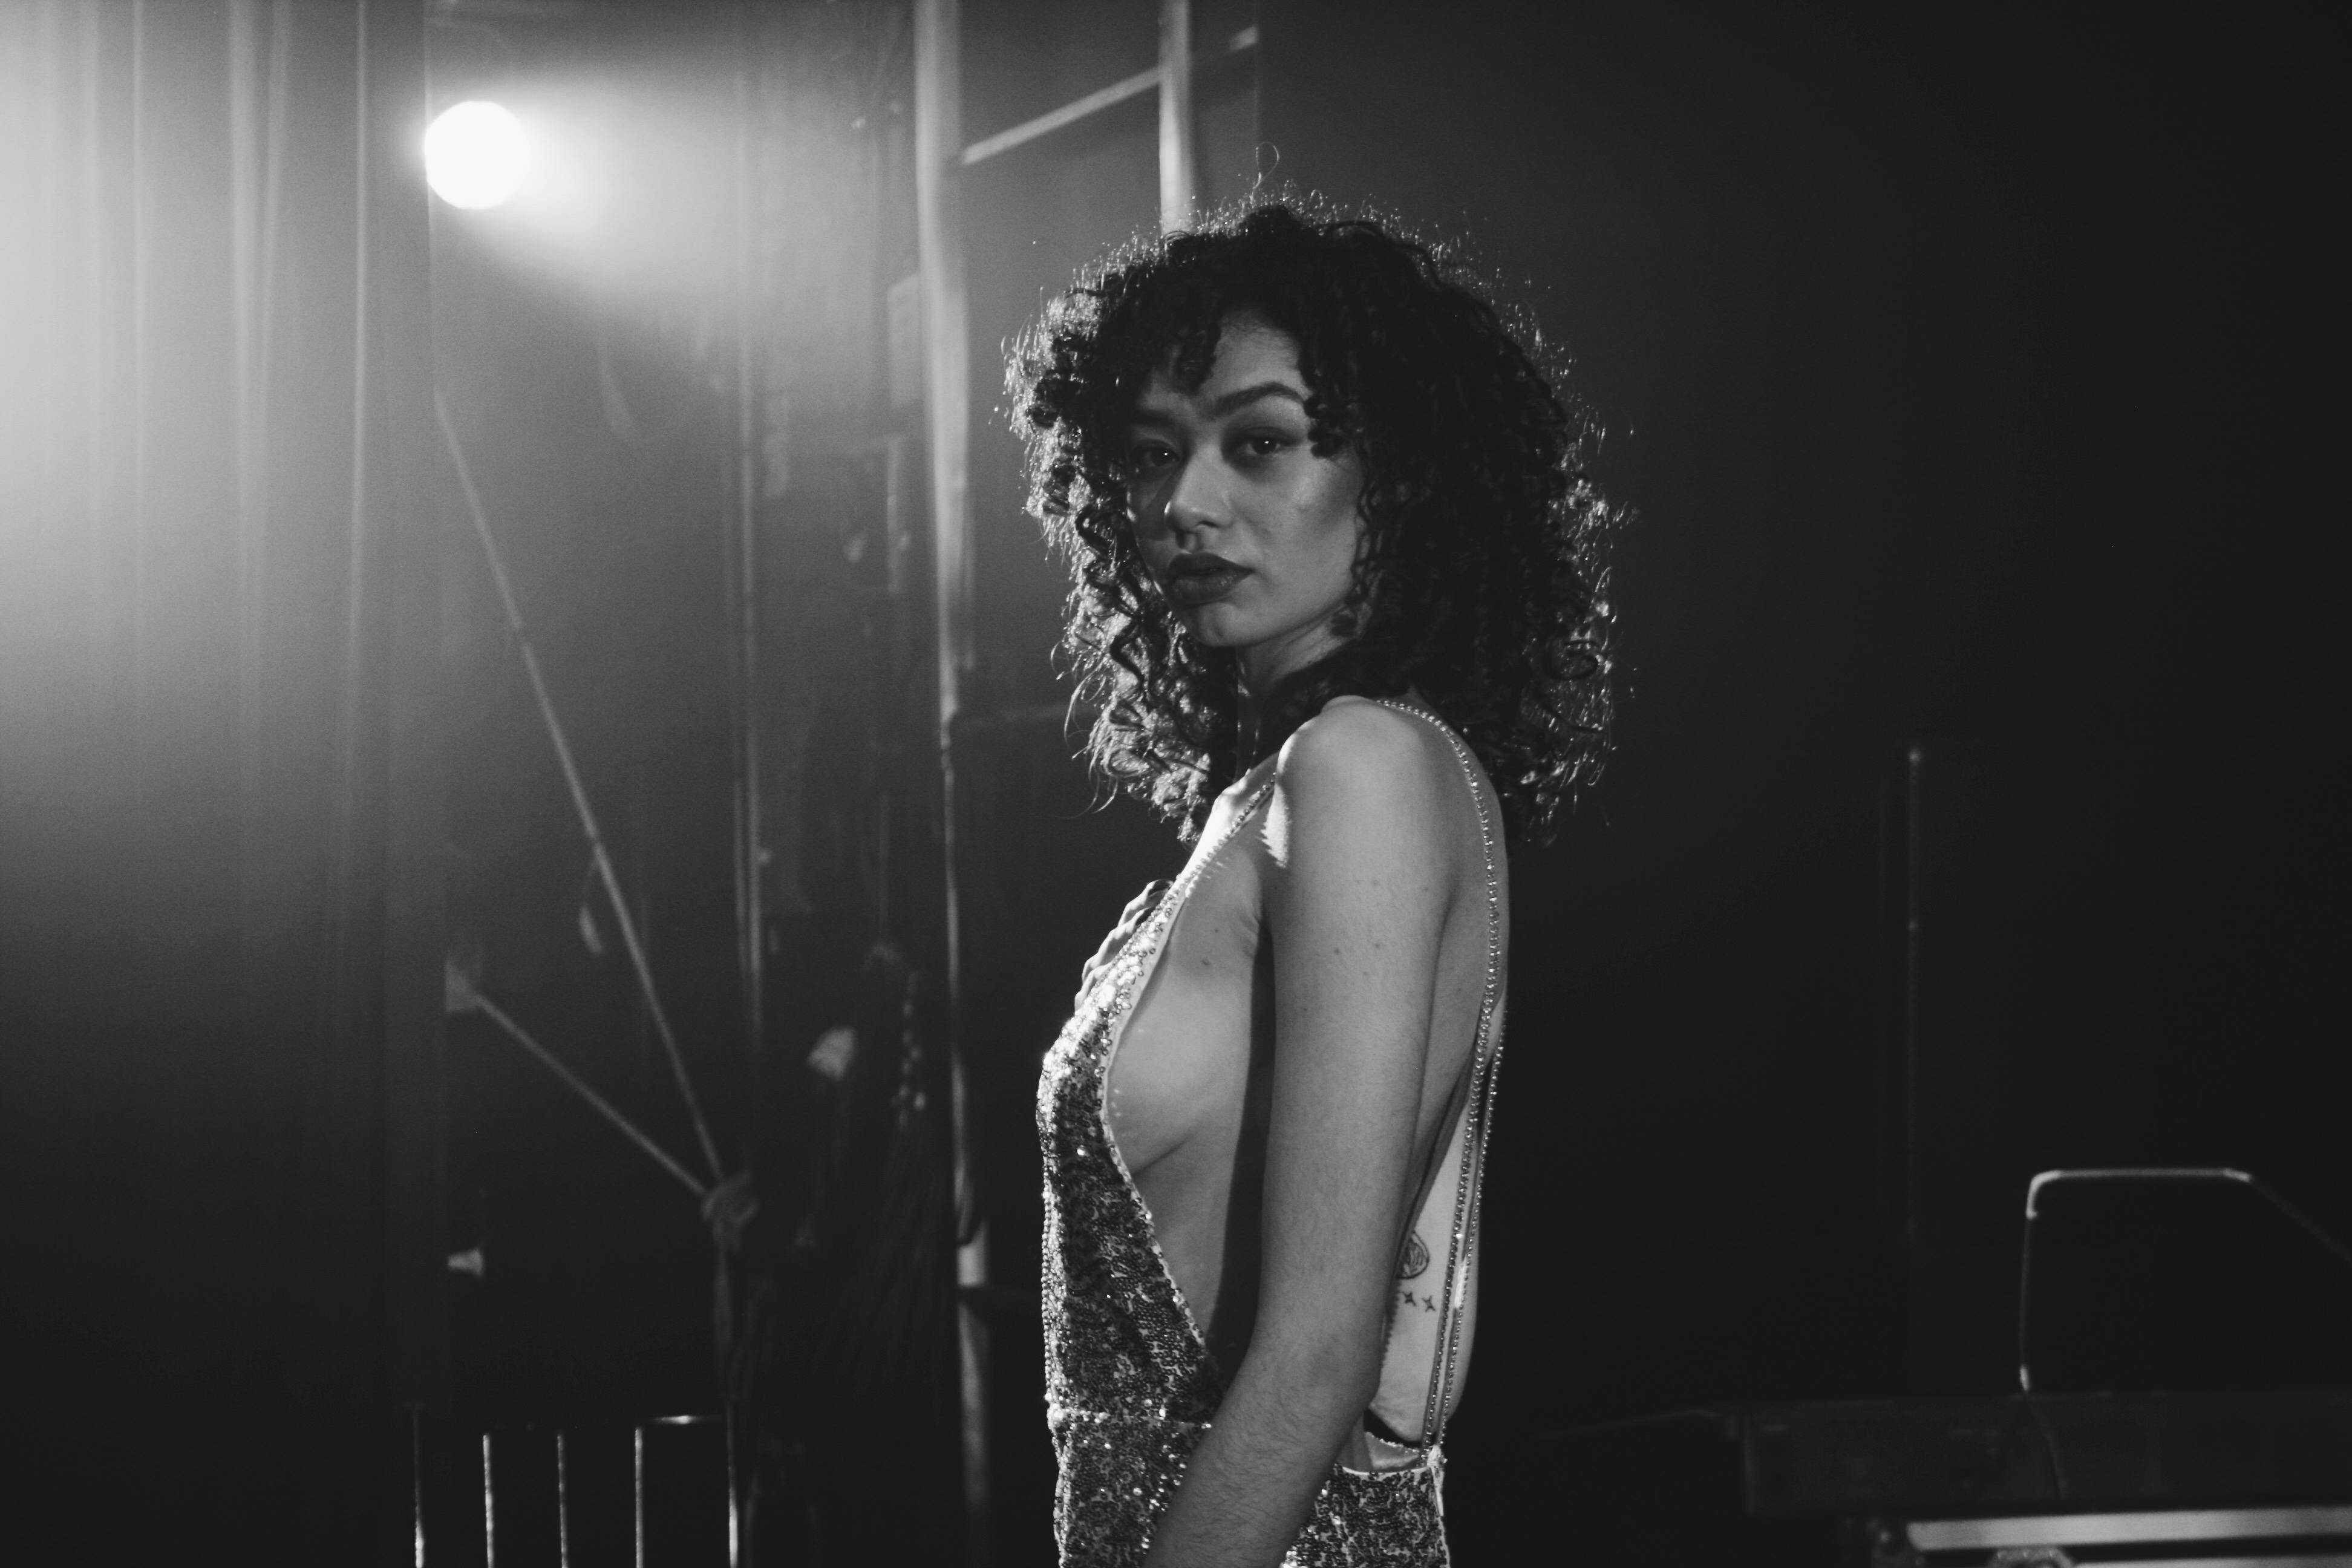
[1973, 380]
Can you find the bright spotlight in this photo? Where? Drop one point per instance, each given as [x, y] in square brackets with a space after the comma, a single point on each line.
[475, 153]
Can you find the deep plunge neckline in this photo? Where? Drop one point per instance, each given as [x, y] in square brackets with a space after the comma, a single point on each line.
[1158, 931]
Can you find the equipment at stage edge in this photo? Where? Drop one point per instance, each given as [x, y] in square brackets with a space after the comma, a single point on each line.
[2185, 1396]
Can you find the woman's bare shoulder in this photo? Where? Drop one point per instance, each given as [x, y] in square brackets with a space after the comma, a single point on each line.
[1365, 772]
[1357, 738]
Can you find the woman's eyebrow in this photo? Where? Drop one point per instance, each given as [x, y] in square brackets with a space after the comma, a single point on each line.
[1145, 414]
[1249, 394]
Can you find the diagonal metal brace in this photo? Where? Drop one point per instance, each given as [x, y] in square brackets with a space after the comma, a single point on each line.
[463, 996]
[604, 860]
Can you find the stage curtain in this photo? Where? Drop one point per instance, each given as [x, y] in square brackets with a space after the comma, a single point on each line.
[219, 969]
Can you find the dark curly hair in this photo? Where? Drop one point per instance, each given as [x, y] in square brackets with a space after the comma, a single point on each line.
[1481, 579]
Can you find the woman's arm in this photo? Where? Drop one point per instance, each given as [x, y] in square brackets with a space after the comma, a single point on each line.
[1355, 905]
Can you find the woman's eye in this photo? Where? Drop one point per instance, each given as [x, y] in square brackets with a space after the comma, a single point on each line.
[1148, 457]
[1263, 444]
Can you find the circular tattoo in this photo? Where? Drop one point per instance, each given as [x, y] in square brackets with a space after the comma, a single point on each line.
[1415, 1261]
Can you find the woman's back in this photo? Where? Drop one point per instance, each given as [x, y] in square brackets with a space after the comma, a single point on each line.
[1191, 1078]
[1182, 1012]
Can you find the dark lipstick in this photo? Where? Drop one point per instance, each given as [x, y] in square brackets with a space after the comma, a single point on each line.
[1200, 578]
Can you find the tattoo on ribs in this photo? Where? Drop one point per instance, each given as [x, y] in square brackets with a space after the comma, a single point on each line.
[1415, 1261]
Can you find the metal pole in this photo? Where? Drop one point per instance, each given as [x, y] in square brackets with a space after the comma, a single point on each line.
[946, 389]
[1914, 764]
[603, 861]
[1177, 184]
[751, 850]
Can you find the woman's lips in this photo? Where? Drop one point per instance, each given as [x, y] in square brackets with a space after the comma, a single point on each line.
[1197, 580]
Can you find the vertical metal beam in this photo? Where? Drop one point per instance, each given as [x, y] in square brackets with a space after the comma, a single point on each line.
[1177, 187]
[751, 847]
[1914, 766]
[939, 223]
[947, 390]
[416, 838]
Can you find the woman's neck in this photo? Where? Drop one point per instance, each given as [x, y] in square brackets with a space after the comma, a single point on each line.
[1262, 678]
[1257, 714]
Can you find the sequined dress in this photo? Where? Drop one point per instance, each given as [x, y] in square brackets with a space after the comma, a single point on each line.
[1131, 1386]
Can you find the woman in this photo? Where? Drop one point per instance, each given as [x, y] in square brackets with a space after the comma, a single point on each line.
[1335, 601]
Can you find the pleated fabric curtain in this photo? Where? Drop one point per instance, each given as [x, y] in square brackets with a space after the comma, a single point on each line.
[219, 857]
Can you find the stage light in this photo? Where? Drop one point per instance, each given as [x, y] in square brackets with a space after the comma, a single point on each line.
[476, 154]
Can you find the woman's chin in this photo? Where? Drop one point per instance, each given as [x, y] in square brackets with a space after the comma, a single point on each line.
[1288, 644]
[1217, 625]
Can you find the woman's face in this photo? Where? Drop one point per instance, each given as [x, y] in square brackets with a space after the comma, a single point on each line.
[1251, 535]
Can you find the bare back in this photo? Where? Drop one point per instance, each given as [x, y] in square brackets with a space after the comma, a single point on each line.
[1188, 1103]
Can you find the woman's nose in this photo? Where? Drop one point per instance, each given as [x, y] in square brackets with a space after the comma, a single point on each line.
[1195, 499]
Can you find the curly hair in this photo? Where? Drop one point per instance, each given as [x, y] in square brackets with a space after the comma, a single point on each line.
[1481, 579]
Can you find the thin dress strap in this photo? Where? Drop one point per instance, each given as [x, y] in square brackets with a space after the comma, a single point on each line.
[1486, 1055]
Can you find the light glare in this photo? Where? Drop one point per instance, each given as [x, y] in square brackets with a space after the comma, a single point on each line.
[476, 154]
